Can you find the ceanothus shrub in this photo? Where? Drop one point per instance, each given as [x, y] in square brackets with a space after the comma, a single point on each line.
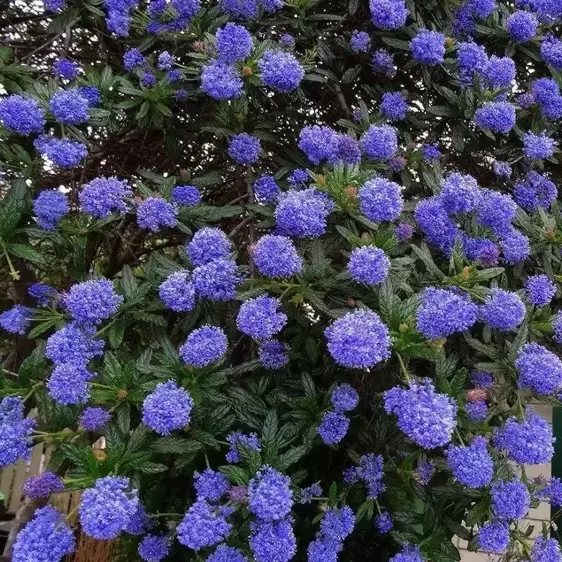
[297, 263]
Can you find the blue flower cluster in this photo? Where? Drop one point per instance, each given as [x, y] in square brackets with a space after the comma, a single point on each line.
[428, 47]
[266, 190]
[16, 320]
[380, 142]
[186, 195]
[217, 280]
[360, 41]
[388, 14]
[522, 26]
[177, 291]
[237, 439]
[64, 153]
[383, 63]
[207, 245]
[368, 265]
[273, 354]
[497, 116]
[244, 148]
[43, 485]
[203, 525]
[333, 427]
[394, 106]
[66, 69]
[510, 500]
[535, 192]
[49, 207]
[69, 107]
[384, 523]
[92, 302]
[498, 72]
[493, 537]
[381, 200]
[94, 418]
[273, 541]
[540, 290]
[538, 147]
[204, 346]
[259, 318]
[269, 495]
[15, 432]
[221, 81]
[303, 214]
[471, 465]
[539, 369]
[225, 553]
[102, 196]
[276, 257]
[21, 115]
[167, 408]
[502, 310]
[460, 194]
[154, 548]
[155, 213]
[210, 485]
[281, 71]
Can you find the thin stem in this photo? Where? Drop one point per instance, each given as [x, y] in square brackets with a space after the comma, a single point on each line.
[71, 513]
[15, 274]
[403, 367]
[155, 515]
[459, 436]
[99, 332]
[378, 506]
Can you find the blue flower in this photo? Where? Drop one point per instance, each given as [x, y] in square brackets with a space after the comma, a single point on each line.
[368, 265]
[93, 419]
[266, 189]
[225, 553]
[502, 310]
[281, 71]
[21, 115]
[221, 81]
[244, 148]
[273, 354]
[273, 541]
[502, 169]
[499, 72]
[428, 47]
[203, 525]
[68, 384]
[91, 93]
[383, 63]
[347, 151]
[204, 346]
[73, 344]
[510, 500]
[298, 178]
[394, 106]
[471, 465]
[337, 523]
[515, 246]
[154, 548]
[102, 196]
[15, 432]
[54, 5]
[344, 398]
[443, 312]
[535, 192]
[93, 301]
[167, 408]
[217, 280]
[234, 43]
[358, 340]
[17, 319]
[64, 153]
[303, 213]
[540, 290]
[538, 147]
[425, 416]
[47, 537]
[259, 318]
[471, 59]
[547, 94]
[43, 485]
[404, 231]
[64, 68]
[435, 223]
[43, 293]
[269, 495]
[381, 200]
[551, 51]
[333, 427]
[243, 9]
[49, 207]
[460, 194]
[277, 257]
[133, 59]
[323, 549]
[388, 14]
[498, 116]
[380, 142]
[318, 143]
[409, 554]
[165, 61]
[106, 509]
[235, 439]
[496, 211]
[360, 41]
[69, 107]
[493, 537]
[522, 26]
[287, 40]
[557, 328]
[177, 291]
[154, 214]
[187, 195]
[208, 244]
[477, 411]
[430, 152]
[539, 369]
[544, 550]
[210, 485]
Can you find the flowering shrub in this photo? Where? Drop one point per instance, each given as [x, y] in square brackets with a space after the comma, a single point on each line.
[297, 262]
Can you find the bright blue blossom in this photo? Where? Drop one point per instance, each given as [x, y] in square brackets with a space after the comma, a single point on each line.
[93, 301]
[49, 207]
[358, 340]
[273, 354]
[383, 63]
[287, 40]
[165, 61]
[210, 485]
[133, 59]
[155, 213]
[424, 472]
[242, 9]
[273, 541]
[502, 169]
[380, 142]
[425, 416]
[54, 5]
[502, 310]
[428, 47]
[69, 107]
[547, 94]
[17, 319]
[534, 192]
[476, 411]
[522, 26]
[510, 500]
[21, 115]
[259, 318]
[368, 265]
[344, 398]
[266, 190]
[498, 116]
[221, 81]
[235, 439]
[538, 147]
[177, 291]
[539, 369]
[187, 195]
[276, 256]
[68, 384]
[443, 312]
[94, 418]
[409, 554]
[270, 6]
[64, 68]
[281, 71]
[204, 346]
[394, 106]
[154, 548]
[471, 465]
[303, 213]
[551, 51]
[496, 211]
[269, 495]
[515, 246]
[370, 471]
[105, 509]
[15, 432]
[493, 537]
[337, 523]
[435, 223]
[471, 58]
[430, 152]
[360, 41]
[217, 280]
[203, 525]
[404, 231]
[388, 14]
[91, 93]
[64, 153]
[499, 72]
[208, 244]
[540, 290]
[102, 196]
[43, 293]
[380, 200]
[460, 194]
[333, 427]
[318, 143]
[225, 553]
[42, 485]
[46, 538]
[347, 150]
[167, 408]
[527, 441]
[234, 43]
[244, 148]
[312, 491]
[298, 178]
[384, 523]
[544, 550]
[73, 344]
[323, 549]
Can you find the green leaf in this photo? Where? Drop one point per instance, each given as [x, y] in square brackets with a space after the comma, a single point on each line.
[152, 468]
[177, 445]
[269, 430]
[116, 333]
[27, 253]
[129, 283]
[235, 474]
[290, 457]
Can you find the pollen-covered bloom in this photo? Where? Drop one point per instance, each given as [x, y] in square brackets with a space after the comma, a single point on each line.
[208, 244]
[337, 523]
[471, 465]
[154, 548]
[21, 115]
[244, 148]
[177, 291]
[102, 196]
[460, 194]
[539, 369]
[540, 290]
[94, 418]
[49, 207]
[381, 200]
[259, 317]
[358, 340]
[276, 257]
[425, 416]
[428, 47]
[333, 427]
[65, 68]
[167, 408]
[269, 495]
[551, 51]
[502, 310]
[204, 346]
[68, 384]
[281, 71]
[443, 312]
[73, 344]
[380, 142]
[368, 265]
[234, 43]
[93, 301]
[499, 72]
[510, 500]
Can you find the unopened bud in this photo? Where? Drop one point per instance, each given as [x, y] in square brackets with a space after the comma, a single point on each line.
[320, 180]
[122, 394]
[99, 454]
[550, 234]
[449, 42]
[366, 236]
[477, 395]
[403, 328]
[351, 191]
[351, 302]
[465, 275]
[437, 344]
[247, 71]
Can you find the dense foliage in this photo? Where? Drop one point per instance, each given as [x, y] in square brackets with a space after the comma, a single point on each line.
[298, 263]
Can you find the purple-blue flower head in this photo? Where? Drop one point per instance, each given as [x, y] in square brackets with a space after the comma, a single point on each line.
[497, 116]
[394, 106]
[287, 40]
[94, 418]
[502, 169]
[515, 246]
[347, 151]
[358, 340]
[471, 465]
[535, 192]
[276, 257]
[539, 369]
[443, 312]
[208, 244]
[49, 207]
[323, 549]
[155, 213]
[221, 81]
[425, 416]
[204, 346]
[167, 408]
[471, 59]
[540, 290]
[477, 411]
[380, 142]
[337, 523]
[273, 354]
[186, 195]
[15, 432]
[269, 495]
[266, 190]
[388, 14]
[244, 148]
[557, 328]
[546, 550]
[273, 541]
[165, 61]
[16, 320]
[499, 72]
[91, 93]
[240, 9]
[383, 63]
[333, 427]
[344, 398]
[496, 211]
[318, 143]
[298, 178]
[428, 47]
[107, 507]
[368, 265]
[303, 213]
[203, 525]
[21, 115]
[102, 196]
[42, 293]
[64, 68]
[460, 194]
[551, 51]
[502, 310]
[522, 26]
[381, 200]
[510, 500]
[225, 553]
[210, 484]
[493, 537]
[547, 94]
[360, 41]
[92, 302]
[234, 43]
[409, 553]
[217, 280]
[404, 231]
[133, 59]
[236, 439]
[54, 5]
[281, 71]
[259, 317]
[538, 147]
[430, 152]
[68, 384]
[64, 153]
[73, 344]
[436, 225]
[42, 485]
[177, 291]
[154, 548]
[69, 107]
[384, 523]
